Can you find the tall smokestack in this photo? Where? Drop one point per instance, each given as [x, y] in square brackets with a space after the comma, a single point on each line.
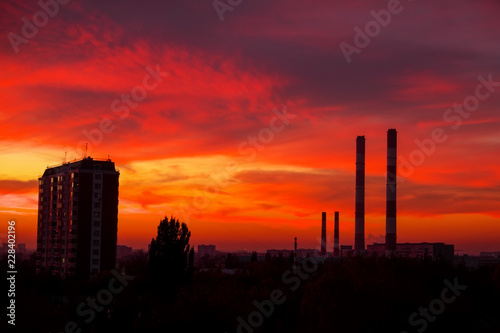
[336, 245]
[295, 252]
[323, 233]
[359, 232]
[390, 219]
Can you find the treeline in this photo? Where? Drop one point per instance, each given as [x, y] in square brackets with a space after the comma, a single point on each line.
[352, 295]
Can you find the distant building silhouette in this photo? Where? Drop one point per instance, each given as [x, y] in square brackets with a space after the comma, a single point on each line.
[303, 253]
[206, 250]
[123, 251]
[78, 218]
[282, 253]
[21, 252]
[346, 250]
[298, 253]
[485, 259]
[416, 250]
[490, 254]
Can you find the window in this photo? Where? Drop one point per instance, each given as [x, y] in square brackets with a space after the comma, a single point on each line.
[97, 214]
[95, 242]
[95, 252]
[95, 261]
[96, 205]
[97, 224]
[97, 186]
[96, 233]
[98, 176]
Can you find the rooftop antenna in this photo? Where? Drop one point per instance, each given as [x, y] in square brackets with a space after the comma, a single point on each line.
[65, 156]
[86, 143]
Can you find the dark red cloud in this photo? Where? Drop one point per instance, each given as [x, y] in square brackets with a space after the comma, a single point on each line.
[8, 186]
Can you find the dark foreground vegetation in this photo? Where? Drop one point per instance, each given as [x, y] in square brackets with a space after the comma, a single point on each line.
[353, 295]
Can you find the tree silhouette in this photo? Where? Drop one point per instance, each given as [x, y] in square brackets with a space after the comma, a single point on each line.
[291, 258]
[168, 255]
[232, 261]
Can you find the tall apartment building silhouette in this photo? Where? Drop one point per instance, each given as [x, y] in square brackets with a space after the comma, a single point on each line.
[78, 218]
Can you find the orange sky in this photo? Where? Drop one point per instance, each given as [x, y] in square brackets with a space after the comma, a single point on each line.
[224, 81]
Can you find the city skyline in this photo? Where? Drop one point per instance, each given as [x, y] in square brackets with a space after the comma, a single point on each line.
[67, 169]
[261, 104]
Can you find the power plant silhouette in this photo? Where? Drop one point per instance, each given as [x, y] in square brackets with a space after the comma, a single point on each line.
[390, 247]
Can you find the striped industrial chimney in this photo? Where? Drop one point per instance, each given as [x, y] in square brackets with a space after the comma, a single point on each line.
[323, 233]
[336, 245]
[390, 220]
[359, 229]
[295, 252]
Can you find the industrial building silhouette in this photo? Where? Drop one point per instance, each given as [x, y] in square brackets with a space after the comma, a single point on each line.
[390, 247]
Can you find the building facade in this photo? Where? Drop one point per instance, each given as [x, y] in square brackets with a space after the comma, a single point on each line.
[417, 250]
[206, 250]
[78, 218]
[123, 251]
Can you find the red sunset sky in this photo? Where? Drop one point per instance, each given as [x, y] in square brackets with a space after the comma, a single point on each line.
[225, 79]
